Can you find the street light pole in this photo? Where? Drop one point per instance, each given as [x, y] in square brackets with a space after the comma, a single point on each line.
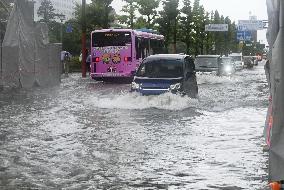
[83, 39]
[61, 18]
[61, 33]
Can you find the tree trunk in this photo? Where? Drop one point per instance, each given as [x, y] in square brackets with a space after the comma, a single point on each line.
[106, 24]
[187, 47]
[148, 21]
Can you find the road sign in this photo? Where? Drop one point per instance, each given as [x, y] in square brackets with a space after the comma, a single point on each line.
[69, 29]
[250, 25]
[216, 27]
[244, 35]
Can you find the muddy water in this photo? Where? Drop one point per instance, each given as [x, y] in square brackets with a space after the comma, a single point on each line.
[91, 135]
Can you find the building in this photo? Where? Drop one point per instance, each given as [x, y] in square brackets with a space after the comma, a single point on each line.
[63, 7]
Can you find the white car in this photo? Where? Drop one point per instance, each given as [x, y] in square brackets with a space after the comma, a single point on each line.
[238, 60]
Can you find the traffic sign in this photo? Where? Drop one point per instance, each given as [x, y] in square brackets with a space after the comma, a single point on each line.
[69, 29]
[216, 27]
[244, 35]
[250, 25]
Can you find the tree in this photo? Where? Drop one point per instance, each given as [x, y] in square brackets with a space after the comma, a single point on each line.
[103, 12]
[5, 8]
[148, 8]
[186, 25]
[198, 13]
[208, 41]
[140, 23]
[129, 9]
[203, 19]
[171, 8]
[46, 11]
[168, 22]
[233, 43]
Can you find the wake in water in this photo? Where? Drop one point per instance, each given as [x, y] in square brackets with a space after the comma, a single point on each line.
[167, 101]
[212, 78]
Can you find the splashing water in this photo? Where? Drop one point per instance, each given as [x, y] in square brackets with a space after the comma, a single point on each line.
[167, 101]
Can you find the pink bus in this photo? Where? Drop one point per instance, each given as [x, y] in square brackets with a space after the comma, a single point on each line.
[116, 53]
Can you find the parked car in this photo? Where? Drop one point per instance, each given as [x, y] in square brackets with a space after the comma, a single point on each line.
[227, 66]
[238, 60]
[163, 73]
[208, 63]
[248, 61]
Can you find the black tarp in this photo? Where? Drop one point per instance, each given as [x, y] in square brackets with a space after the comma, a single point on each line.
[28, 57]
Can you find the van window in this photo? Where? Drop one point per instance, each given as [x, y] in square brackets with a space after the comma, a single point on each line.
[161, 69]
[207, 61]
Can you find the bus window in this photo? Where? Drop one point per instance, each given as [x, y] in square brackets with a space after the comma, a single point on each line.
[103, 39]
[145, 47]
[138, 47]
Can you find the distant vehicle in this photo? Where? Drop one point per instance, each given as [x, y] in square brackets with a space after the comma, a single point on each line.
[238, 60]
[256, 59]
[166, 73]
[264, 56]
[227, 66]
[208, 63]
[248, 61]
[116, 53]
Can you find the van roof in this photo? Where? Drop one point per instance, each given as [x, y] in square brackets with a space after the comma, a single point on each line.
[208, 56]
[167, 56]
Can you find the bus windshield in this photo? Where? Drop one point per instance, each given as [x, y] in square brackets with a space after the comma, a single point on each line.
[161, 69]
[103, 39]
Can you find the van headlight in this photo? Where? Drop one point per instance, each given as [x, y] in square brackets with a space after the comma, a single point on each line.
[228, 68]
[135, 86]
[175, 86]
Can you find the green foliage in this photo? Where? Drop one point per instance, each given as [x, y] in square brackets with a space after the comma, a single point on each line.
[184, 29]
[101, 13]
[140, 23]
[148, 8]
[129, 17]
[72, 41]
[75, 64]
[198, 13]
[250, 49]
[46, 11]
[5, 8]
[54, 32]
[186, 26]
[169, 22]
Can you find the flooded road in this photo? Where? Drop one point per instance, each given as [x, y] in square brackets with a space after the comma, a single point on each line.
[90, 135]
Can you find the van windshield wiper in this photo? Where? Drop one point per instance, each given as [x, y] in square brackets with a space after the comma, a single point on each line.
[206, 66]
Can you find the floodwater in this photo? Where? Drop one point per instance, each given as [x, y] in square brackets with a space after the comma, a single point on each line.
[91, 135]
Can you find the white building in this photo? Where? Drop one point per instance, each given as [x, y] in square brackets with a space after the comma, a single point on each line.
[64, 7]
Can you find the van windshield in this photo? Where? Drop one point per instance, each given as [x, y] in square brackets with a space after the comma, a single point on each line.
[161, 69]
[226, 60]
[236, 58]
[206, 61]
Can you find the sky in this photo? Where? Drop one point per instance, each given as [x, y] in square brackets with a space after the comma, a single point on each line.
[234, 9]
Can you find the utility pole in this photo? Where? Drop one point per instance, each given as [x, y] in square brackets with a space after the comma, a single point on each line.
[83, 39]
[61, 18]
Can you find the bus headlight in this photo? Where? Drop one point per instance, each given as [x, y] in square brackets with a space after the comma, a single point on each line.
[175, 86]
[135, 86]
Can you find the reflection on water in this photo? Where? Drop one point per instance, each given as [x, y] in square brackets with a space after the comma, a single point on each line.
[91, 135]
